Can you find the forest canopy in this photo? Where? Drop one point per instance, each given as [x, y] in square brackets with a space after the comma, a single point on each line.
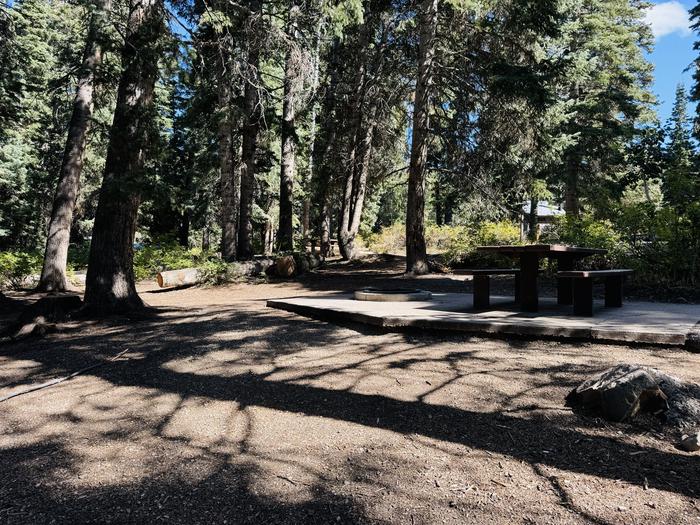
[241, 128]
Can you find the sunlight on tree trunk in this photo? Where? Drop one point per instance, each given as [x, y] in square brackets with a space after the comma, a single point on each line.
[53, 274]
[110, 284]
[416, 257]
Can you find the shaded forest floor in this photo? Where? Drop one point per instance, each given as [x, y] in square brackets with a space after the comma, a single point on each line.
[225, 411]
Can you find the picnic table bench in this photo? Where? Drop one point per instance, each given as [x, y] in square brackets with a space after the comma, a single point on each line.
[583, 288]
[482, 284]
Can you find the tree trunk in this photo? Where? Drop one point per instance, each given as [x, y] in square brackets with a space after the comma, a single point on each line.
[288, 134]
[416, 257]
[358, 187]
[251, 129]
[571, 202]
[110, 284]
[183, 231]
[361, 148]
[532, 233]
[53, 274]
[306, 213]
[230, 177]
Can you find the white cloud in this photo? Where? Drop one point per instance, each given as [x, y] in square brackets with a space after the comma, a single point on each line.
[667, 18]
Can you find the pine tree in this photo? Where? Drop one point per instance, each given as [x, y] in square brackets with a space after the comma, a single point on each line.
[110, 284]
[53, 274]
[680, 177]
[605, 89]
[35, 107]
[416, 259]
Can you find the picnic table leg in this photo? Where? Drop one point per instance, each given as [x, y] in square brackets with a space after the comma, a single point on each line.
[482, 291]
[529, 266]
[565, 285]
[583, 297]
[613, 291]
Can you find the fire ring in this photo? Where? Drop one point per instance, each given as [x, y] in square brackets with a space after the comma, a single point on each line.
[392, 295]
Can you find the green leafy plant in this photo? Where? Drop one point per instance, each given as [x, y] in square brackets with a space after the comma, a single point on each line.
[17, 267]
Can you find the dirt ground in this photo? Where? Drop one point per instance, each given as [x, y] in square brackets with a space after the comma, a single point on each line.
[225, 411]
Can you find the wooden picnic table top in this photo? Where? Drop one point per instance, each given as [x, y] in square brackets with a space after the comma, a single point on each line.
[542, 249]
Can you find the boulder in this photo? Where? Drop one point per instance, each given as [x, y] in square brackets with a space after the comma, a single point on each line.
[621, 392]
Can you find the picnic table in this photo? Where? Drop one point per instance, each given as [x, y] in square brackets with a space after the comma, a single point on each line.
[530, 255]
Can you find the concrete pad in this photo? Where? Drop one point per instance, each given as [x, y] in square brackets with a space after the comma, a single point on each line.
[638, 322]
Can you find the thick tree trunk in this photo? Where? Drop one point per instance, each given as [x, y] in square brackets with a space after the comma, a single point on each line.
[288, 135]
[230, 177]
[416, 257]
[251, 128]
[110, 284]
[53, 274]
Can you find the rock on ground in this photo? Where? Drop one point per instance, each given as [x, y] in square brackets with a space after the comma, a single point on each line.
[623, 391]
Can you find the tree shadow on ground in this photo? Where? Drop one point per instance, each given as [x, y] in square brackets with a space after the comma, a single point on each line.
[225, 494]
[551, 441]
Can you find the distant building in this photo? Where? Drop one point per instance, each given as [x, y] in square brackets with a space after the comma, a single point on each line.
[546, 215]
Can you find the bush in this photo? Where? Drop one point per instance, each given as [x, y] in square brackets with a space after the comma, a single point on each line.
[17, 267]
[154, 258]
[215, 272]
[456, 243]
[591, 233]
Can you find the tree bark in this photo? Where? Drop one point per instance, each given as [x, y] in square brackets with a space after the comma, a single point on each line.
[230, 177]
[247, 168]
[53, 274]
[532, 233]
[288, 135]
[323, 175]
[355, 189]
[110, 284]
[571, 201]
[251, 128]
[416, 257]
[306, 213]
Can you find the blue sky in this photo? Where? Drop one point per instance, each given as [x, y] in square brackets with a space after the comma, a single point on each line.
[673, 51]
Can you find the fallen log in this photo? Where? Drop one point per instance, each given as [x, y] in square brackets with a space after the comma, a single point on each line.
[189, 276]
[178, 277]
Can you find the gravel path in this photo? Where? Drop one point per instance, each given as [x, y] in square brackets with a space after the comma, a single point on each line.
[225, 411]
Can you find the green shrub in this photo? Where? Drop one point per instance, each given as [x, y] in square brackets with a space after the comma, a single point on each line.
[154, 258]
[591, 233]
[16, 267]
[456, 243]
[390, 239]
[214, 272]
[78, 256]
